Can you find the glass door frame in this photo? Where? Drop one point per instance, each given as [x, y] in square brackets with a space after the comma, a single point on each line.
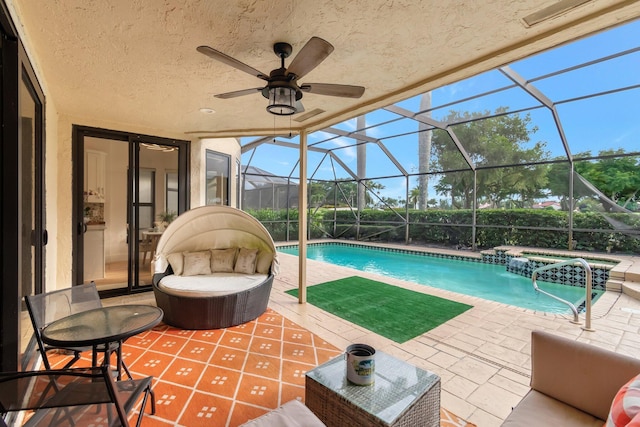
[16, 70]
[134, 141]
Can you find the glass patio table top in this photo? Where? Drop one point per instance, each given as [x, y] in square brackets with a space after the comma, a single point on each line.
[102, 325]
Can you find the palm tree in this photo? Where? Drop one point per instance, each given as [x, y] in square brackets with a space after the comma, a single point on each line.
[414, 196]
[424, 152]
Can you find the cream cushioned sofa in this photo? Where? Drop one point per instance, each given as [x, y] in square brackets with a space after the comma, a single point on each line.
[572, 383]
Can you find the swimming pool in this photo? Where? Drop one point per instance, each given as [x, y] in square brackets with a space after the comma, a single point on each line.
[482, 280]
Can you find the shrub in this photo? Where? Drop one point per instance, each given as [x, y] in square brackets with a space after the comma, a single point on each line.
[518, 227]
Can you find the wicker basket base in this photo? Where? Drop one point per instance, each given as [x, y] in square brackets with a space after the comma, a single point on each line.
[401, 396]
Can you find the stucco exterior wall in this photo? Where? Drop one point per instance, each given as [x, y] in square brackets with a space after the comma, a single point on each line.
[229, 146]
[59, 168]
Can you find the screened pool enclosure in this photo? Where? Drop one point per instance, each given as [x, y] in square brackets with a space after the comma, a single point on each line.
[541, 152]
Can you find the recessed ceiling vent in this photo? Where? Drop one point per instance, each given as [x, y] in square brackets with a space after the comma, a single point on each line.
[552, 11]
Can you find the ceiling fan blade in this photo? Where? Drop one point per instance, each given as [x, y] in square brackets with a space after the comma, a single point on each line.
[344, 91]
[309, 57]
[226, 59]
[238, 93]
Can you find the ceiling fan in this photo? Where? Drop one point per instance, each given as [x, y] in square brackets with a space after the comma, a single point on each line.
[283, 90]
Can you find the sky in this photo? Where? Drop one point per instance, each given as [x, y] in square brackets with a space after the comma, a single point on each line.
[608, 121]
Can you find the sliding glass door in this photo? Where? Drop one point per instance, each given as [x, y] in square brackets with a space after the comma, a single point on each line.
[130, 185]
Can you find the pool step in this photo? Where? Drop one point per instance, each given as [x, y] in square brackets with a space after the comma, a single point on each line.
[632, 289]
[614, 284]
[625, 277]
[626, 287]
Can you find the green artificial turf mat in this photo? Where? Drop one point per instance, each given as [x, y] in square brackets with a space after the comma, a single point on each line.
[393, 312]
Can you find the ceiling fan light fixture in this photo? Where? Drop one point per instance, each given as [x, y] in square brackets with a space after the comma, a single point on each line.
[282, 101]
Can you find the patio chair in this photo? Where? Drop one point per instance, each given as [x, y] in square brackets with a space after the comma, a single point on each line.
[71, 397]
[48, 307]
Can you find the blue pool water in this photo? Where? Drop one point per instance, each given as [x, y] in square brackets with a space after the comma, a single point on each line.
[487, 281]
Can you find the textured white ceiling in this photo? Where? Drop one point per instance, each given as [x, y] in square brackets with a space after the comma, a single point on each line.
[135, 61]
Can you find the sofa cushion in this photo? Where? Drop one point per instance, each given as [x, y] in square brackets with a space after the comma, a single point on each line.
[246, 261]
[196, 263]
[215, 284]
[222, 260]
[582, 375]
[626, 404]
[537, 409]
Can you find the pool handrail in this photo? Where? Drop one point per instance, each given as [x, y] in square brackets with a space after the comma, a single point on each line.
[589, 285]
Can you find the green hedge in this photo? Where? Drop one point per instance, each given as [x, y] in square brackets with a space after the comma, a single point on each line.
[495, 227]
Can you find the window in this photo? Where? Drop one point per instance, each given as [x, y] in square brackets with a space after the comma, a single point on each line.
[217, 178]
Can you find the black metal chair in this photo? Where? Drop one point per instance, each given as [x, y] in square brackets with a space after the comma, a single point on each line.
[72, 397]
[48, 307]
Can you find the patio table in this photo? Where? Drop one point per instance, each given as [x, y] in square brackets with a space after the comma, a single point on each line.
[104, 325]
[154, 236]
[401, 395]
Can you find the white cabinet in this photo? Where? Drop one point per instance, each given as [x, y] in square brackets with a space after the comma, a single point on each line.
[94, 252]
[94, 176]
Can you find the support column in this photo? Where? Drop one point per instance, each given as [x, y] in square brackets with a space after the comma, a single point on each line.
[302, 221]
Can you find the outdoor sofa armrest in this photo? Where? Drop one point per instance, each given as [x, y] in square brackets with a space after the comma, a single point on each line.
[581, 375]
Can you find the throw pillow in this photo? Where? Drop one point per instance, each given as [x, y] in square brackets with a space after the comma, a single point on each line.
[176, 261]
[196, 263]
[263, 264]
[246, 262]
[222, 260]
[626, 405]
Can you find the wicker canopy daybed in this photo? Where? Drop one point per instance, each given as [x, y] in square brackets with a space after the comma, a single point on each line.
[213, 268]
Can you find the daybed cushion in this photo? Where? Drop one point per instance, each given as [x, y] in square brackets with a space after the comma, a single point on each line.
[215, 284]
[264, 261]
[176, 260]
[196, 263]
[246, 261]
[223, 260]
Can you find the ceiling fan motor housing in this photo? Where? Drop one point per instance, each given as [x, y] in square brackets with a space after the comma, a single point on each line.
[277, 78]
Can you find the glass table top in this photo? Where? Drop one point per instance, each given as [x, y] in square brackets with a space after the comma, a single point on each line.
[101, 325]
[396, 387]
